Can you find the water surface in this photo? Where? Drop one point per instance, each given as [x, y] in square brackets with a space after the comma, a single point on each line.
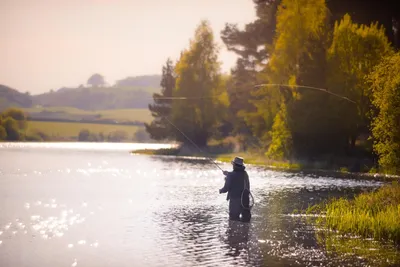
[77, 204]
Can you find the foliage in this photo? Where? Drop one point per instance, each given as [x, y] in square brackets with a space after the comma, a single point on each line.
[117, 136]
[86, 135]
[37, 136]
[385, 84]
[96, 80]
[297, 57]
[3, 133]
[247, 43]
[12, 129]
[12, 125]
[366, 12]
[355, 50]
[198, 77]
[281, 143]
[18, 115]
[160, 128]
[250, 44]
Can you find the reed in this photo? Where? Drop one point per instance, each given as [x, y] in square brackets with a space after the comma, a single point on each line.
[370, 215]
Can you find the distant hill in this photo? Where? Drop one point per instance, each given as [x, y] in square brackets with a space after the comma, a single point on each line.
[128, 93]
[152, 81]
[12, 98]
[96, 98]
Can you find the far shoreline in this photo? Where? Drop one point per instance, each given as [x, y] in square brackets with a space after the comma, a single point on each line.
[252, 159]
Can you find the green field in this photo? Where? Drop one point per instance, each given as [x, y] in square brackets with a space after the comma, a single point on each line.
[121, 115]
[72, 129]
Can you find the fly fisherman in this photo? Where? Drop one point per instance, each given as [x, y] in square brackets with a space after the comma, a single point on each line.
[237, 185]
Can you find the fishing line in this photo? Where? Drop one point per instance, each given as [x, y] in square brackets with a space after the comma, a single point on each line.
[308, 87]
[245, 187]
[258, 85]
[216, 96]
[210, 159]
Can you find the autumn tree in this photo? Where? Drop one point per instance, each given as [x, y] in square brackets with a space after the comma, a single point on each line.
[385, 86]
[199, 82]
[354, 52]
[296, 58]
[160, 128]
[385, 12]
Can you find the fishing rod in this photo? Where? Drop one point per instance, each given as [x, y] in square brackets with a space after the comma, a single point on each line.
[210, 159]
[308, 87]
[249, 206]
[256, 86]
[215, 96]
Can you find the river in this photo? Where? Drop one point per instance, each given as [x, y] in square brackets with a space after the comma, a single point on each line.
[82, 204]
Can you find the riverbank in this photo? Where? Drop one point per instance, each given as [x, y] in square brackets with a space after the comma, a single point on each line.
[253, 158]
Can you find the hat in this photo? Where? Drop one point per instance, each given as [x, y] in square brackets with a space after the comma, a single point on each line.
[238, 161]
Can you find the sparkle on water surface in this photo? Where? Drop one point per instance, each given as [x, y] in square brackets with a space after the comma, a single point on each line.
[90, 204]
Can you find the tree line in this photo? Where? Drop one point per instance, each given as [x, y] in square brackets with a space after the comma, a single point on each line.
[328, 84]
[13, 126]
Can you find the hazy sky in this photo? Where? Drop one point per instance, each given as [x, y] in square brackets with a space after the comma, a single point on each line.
[47, 44]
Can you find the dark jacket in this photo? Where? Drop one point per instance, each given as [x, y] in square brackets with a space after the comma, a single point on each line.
[235, 183]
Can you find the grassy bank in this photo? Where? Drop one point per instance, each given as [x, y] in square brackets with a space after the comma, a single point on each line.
[370, 215]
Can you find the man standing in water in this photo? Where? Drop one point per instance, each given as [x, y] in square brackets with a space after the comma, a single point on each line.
[237, 185]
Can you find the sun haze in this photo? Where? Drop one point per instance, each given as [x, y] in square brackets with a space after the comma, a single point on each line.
[47, 44]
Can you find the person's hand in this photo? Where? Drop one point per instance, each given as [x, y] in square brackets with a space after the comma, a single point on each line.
[225, 172]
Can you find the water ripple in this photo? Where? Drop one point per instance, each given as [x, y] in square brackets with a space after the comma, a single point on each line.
[114, 209]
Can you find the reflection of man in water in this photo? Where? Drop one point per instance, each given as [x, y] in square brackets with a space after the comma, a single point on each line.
[237, 238]
[237, 185]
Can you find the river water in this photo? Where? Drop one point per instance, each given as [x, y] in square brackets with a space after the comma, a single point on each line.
[80, 204]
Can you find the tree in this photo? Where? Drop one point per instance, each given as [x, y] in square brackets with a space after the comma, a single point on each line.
[354, 52]
[117, 136]
[160, 128]
[296, 58]
[83, 135]
[281, 145]
[385, 12]
[3, 133]
[250, 44]
[17, 115]
[12, 129]
[141, 136]
[385, 85]
[96, 80]
[199, 79]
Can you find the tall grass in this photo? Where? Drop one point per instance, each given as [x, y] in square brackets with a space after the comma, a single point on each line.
[374, 215]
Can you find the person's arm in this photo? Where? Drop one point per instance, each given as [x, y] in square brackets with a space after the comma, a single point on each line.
[226, 185]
